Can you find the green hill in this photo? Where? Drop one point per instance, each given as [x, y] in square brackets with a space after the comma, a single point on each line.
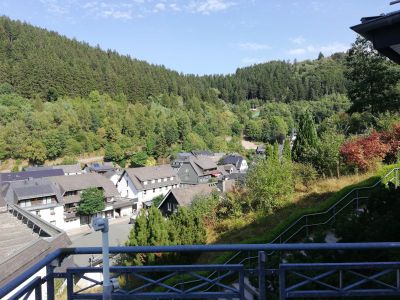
[38, 61]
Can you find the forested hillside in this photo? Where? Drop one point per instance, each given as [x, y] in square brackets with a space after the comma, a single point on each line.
[60, 97]
[36, 61]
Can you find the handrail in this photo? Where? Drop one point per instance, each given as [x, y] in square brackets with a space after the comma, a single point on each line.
[306, 216]
[334, 205]
[61, 253]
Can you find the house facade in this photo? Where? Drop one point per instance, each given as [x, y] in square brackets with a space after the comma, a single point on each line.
[184, 197]
[71, 188]
[238, 161]
[146, 183]
[38, 196]
[198, 170]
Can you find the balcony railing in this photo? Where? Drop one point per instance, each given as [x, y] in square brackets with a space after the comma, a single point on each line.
[233, 281]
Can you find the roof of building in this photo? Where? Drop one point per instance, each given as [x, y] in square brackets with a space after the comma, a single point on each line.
[203, 165]
[111, 173]
[76, 168]
[26, 246]
[31, 189]
[202, 153]
[140, 175]
[85, 181]
[235, 160]
[186, 196]
[70, 168]
[101, 167]
[9, 177]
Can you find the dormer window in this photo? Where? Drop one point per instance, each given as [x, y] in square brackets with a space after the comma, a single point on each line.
[144, 182]
[153, 181]
[159, 180]
[172, 178]
[165, 179]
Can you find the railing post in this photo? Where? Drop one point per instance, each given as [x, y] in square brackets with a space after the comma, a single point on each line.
[261, 275]
[357, 201]
[306, 226]
[50, 281]
[38, 292]
[70, 286]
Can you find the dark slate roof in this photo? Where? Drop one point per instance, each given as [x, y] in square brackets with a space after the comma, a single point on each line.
[76, 168]
[235, 160]
[31, 189]
[101, 167]
[10, 177]
[186, 196]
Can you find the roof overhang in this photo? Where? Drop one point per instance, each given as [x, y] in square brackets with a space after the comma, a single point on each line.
[384, 32]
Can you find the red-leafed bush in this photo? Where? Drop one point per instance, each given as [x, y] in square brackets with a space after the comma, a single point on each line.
[365, 152]
[392, 139]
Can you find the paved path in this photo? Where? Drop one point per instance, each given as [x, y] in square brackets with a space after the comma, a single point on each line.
[249, 145]
[118, 234]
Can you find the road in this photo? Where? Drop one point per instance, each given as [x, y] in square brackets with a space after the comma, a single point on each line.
[118, 234]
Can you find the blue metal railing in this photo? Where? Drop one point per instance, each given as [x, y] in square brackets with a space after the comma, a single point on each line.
[353, 198]
[208, 288]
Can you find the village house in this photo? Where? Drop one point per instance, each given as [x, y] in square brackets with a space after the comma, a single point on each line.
[68, 170]
[184, 197]
[146, 183]
[37, 195]
[198, 170]
[100, 168]
[71, 188]
[238, 161]
[17, 176]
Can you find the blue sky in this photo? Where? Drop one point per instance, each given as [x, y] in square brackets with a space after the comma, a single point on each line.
[203, 36]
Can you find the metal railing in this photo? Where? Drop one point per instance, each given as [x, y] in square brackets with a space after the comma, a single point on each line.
[353, 199]
[152, 281]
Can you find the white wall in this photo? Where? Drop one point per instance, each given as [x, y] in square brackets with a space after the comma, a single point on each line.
[244, 167]
[115, 178]
[55, 216]
[72, 223]
[126, 188]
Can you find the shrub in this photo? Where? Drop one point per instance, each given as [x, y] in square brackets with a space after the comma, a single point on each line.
[305, 174]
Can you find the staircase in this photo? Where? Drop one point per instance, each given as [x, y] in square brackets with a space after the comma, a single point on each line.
[352, 201]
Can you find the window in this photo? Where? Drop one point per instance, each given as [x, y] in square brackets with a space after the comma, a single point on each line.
[144, 192]
[46, 200]
[172, 178]
[145, 182]
[159, 180]
[169, 206]
[52, 212]
[25, 203]
[165, 179]
[153, 181]
[53, 222]
[154, 190]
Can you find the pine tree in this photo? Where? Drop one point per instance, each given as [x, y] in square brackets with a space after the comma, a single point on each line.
[287, 151]
[305, 145]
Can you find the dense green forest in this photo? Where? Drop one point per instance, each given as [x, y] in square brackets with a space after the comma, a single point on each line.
[60, 97]
[38, 62]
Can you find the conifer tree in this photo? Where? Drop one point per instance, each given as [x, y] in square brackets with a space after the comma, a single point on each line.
[305, 145]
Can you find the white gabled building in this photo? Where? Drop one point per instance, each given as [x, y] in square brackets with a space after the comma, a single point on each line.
[146, 183]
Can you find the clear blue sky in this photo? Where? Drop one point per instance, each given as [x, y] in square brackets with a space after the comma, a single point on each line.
[203, 36]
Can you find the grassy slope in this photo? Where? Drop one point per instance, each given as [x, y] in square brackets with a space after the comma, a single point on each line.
[264, 229]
